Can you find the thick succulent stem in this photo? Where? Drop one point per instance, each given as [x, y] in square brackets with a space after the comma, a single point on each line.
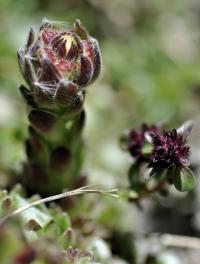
[54, 151]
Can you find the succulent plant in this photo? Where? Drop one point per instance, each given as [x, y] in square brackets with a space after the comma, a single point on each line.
[57, 63]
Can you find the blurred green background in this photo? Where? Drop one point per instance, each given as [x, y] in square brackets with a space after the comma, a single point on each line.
[151, 73]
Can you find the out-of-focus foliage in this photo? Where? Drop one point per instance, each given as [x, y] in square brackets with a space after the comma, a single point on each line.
[151, 73]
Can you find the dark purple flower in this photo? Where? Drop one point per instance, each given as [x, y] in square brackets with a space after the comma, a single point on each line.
[170, 149]
[134, 140]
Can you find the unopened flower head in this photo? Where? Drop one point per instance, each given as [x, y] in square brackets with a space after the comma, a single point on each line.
[134, 140]
[60, 61]
[170, 149]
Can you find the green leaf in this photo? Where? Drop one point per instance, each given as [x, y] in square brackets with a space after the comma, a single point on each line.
[184, 179]
[33, 218]
[134, 177]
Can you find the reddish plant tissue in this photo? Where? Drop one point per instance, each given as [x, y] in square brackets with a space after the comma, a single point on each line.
[57, 59]
[170, 149]
[134, 140]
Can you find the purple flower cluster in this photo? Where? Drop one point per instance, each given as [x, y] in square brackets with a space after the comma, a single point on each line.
[164, 154]
[166, 149]
[170, 150]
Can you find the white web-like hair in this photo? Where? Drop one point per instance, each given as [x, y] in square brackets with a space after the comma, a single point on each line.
[56, 23]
